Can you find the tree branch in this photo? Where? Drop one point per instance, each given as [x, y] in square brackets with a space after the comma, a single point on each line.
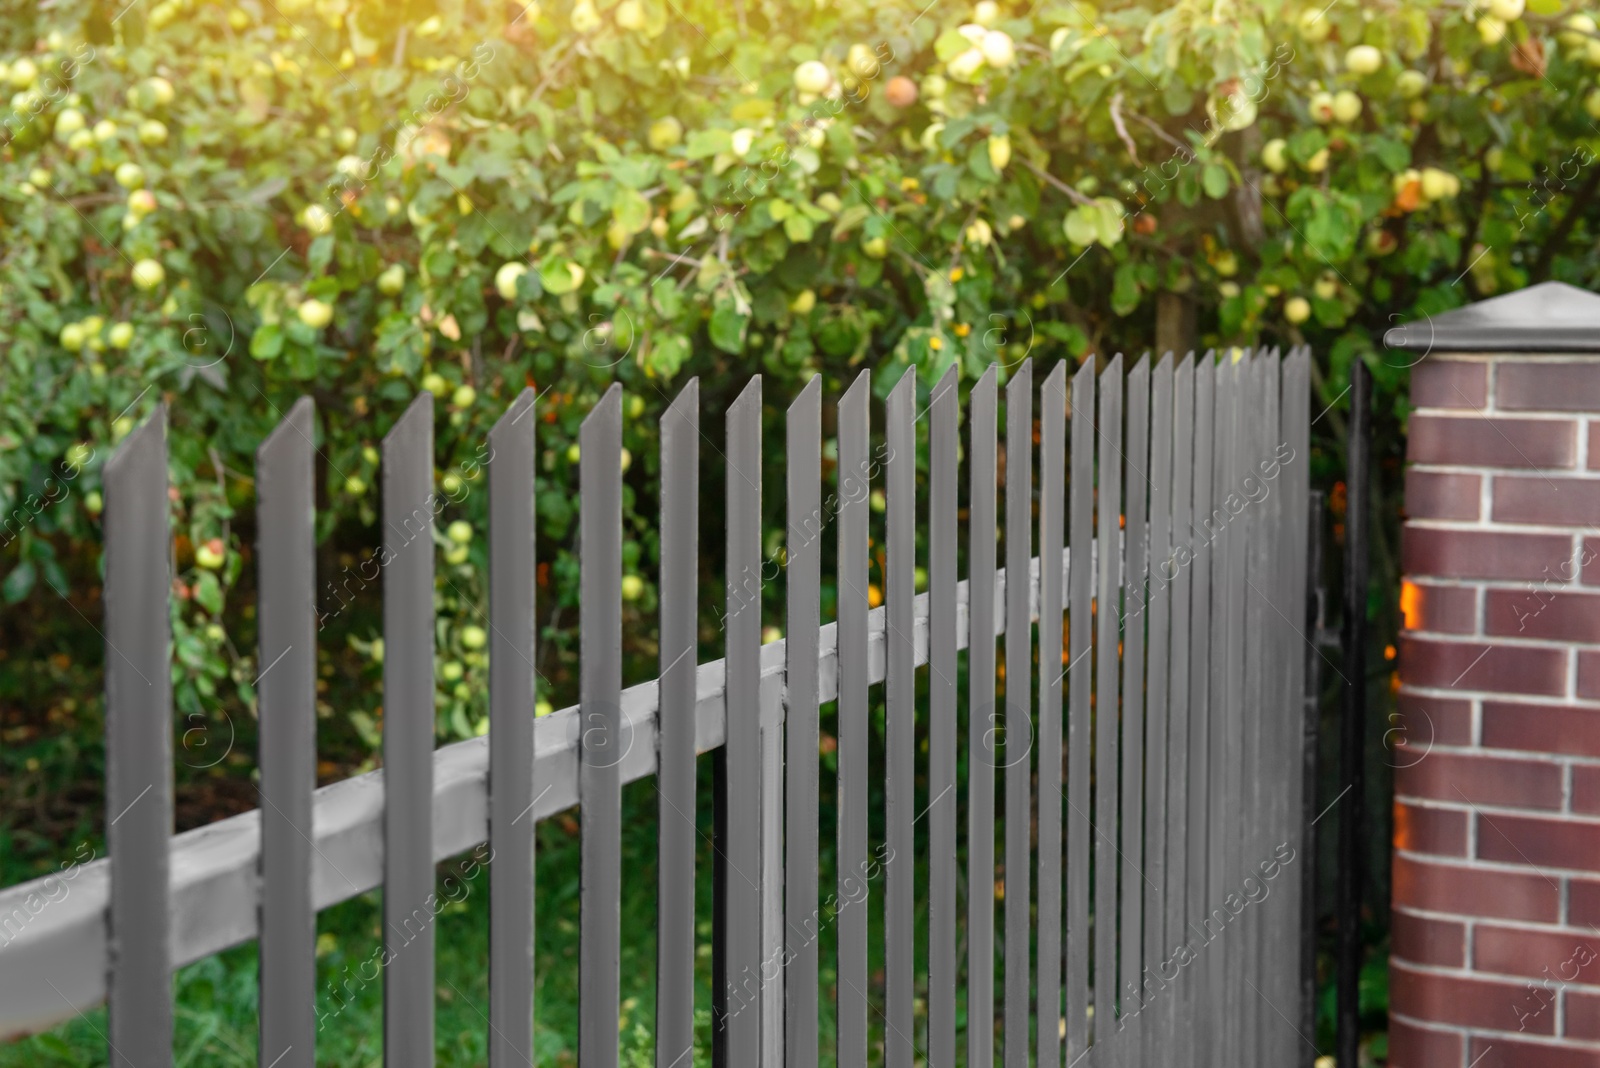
[1072, 194]
[1563, 230]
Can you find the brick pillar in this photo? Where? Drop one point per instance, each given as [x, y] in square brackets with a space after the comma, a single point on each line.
[1496, 903]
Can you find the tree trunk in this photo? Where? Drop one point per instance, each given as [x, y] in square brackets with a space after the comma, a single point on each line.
[1174, 324]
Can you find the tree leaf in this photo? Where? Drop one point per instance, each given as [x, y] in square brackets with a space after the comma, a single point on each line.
[727, 327]
[19, 583]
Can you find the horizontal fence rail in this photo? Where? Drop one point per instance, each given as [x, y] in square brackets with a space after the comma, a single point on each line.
[1154, 788]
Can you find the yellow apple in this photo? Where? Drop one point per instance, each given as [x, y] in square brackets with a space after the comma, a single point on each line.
[812, 77]
[1363, 60]
[315, 313]
[507, 277]
[1274, 155]
[1297, 309]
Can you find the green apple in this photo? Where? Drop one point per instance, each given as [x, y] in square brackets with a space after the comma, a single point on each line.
[1492, 30]
[998, 50]
[459, 532]
[875, 247]
[316, 219]
[392, 280]
[665, 133]
[71, 337]
[630, 15]
[141, 202]
[24, 73]
[574, 453]
[347, 137]
[999, 151]
[1297, 309]
[1507, 10]
[1321, 107]
[1346, 106]
[1318, 162]
[93, 503]
[803, 302]
[463, 397]
[863, 62]
[1326, 286]
[1578, 29]
[585, 19]
[1439, 184]
[315, 313]
[451, 484]
[355, 485]
[1314, 26]
[451, 670]
[473, 637]
[435, 383]
[120, 335]
[965, 66]
[1274, 155]
[507, 277]
[1381, 242]
[812, 77]
[148, 274]
[211, 554]
[632, 587]
[986, 13]
[1411, 84]
[69, 122]
[156, 92]
[152, 132]
[1363, 60]
[370, 455]
[979, 233]
[105, 130]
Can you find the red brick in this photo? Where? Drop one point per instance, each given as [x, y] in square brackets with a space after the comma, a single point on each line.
[1572, 957]
[1496, 1052]
[1483, 554]
[1421, 940]
[1438, 831]
[1583, 903]
[1542, 612]
[1470, 778]
[1479, 441]
[1411, 1046]
[1589, 676]
[1442, 495]
[1440, 609]
[1437, 383]
[1554, 501]
[1541, 843]
[1467, 1002]
[1559, 729]
[1594, 445]
[1589, 555]
[1586, 789]
[1547, 386]
[1426, 721]
[1472, 665]
[1471, 891]
[1582, 1015]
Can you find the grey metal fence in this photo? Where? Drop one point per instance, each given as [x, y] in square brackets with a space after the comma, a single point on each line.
[1154, 810]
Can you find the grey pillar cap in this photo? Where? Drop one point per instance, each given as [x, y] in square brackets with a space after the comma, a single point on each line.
[1548, 317]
